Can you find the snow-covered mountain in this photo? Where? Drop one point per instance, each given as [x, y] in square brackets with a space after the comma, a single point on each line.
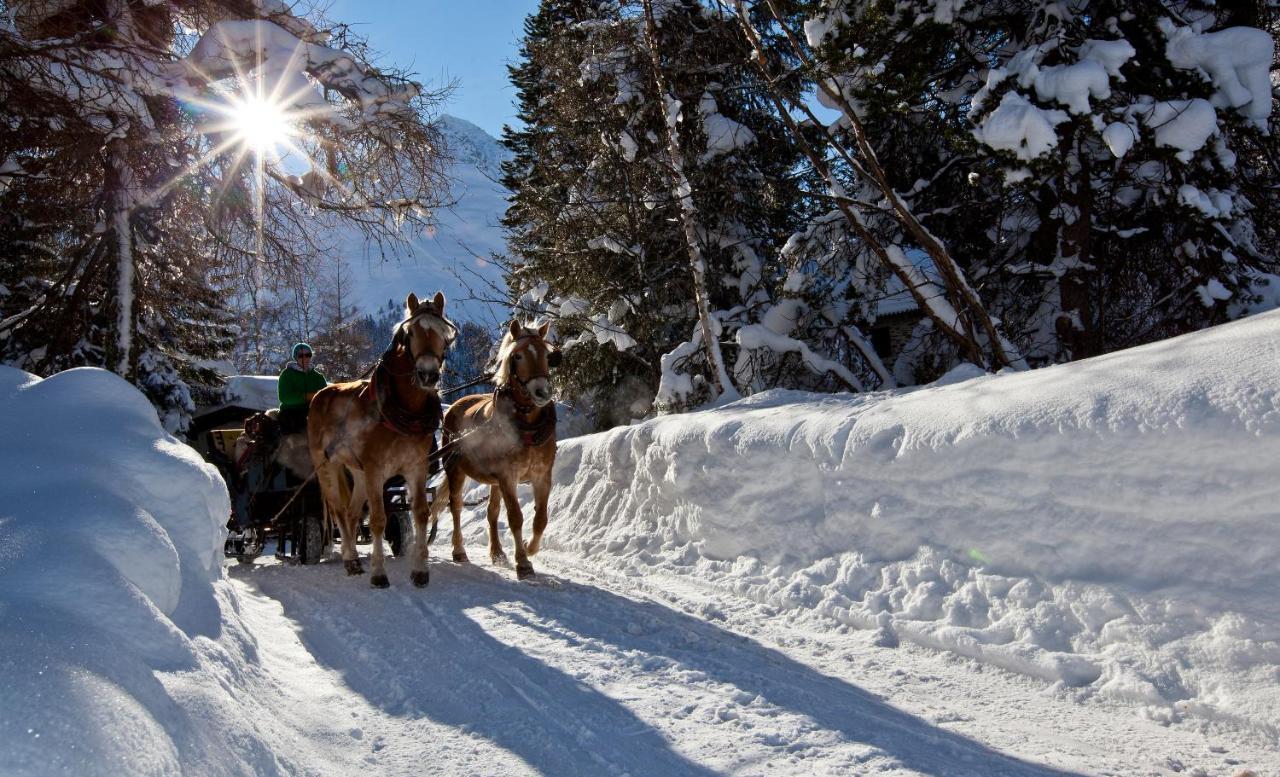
[455, 257]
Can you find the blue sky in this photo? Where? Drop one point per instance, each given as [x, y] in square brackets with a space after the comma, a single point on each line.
[442, 40]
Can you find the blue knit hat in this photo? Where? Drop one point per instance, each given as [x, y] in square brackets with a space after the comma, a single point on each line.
[301, 347]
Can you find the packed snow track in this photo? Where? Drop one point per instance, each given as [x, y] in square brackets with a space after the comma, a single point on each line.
[588, 672]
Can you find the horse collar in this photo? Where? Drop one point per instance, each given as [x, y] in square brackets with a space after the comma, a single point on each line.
[393, 415]
[532, 433]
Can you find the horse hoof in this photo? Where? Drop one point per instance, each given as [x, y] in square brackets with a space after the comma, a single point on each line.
[354, 568]
[420, 579]
[379, 581]
[524, 571]
[460, 556]
[499, 560]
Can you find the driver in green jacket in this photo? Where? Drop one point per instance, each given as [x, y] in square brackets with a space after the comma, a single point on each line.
[298, 383]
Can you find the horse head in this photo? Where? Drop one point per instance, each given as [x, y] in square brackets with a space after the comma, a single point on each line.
[422, 339]
[525, 361]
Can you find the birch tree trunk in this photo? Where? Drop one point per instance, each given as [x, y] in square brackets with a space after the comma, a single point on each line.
[688, 214]
[964, 315]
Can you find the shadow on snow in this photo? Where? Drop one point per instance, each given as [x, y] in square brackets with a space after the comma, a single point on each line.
[417, 653]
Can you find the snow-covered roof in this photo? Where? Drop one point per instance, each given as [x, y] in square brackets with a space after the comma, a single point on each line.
[896, 298]
[257, 392]
[899, 301]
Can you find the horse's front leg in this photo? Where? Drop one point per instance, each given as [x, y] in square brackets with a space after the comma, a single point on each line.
[541, 493]
[515, 519]
[496, 554]
[350, 525]
[377, 526]
[421, 526]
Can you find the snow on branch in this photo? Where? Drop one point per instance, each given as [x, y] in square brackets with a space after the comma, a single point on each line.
[290, 64]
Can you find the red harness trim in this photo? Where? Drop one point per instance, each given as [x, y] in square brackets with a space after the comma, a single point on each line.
[531, 434]
[395, 417]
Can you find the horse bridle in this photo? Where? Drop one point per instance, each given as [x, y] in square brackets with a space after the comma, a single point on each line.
[553, 361]
[400, 336]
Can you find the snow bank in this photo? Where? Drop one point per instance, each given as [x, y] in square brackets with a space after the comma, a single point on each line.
[110, 542]
[1110, 525]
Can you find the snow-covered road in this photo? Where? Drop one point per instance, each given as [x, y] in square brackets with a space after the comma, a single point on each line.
[588, 671]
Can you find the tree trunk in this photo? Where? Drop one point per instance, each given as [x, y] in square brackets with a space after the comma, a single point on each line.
[688, 214]
[1077, 327]
[121, 181]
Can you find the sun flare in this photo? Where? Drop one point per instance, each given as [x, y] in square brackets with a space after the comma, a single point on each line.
[262, 125]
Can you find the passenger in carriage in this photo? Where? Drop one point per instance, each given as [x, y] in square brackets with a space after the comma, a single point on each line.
[299, 382]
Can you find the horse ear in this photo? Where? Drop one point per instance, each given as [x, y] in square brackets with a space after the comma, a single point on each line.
[542, 330]
[438, 303]
[515, 327]
[410, 305]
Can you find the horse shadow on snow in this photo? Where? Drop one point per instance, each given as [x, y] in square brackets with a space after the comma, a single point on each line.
[419, 654]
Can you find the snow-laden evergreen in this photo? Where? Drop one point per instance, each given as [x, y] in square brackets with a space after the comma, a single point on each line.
[1097, 167]
[623, 235]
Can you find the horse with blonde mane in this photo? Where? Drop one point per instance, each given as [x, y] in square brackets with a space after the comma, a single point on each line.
[382, 427]
[503, 439]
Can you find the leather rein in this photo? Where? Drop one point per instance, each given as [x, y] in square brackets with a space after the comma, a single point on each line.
[543, 428]
[392, 414]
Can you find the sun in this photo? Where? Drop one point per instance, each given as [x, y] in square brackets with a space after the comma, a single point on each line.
[261, 124]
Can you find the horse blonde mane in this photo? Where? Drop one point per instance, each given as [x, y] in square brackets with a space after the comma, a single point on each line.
[502, 375]
[433, 321]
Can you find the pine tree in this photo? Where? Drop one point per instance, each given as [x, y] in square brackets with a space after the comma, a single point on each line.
[469, 359]
[1082, 161]
[597, 226]
[340, 342]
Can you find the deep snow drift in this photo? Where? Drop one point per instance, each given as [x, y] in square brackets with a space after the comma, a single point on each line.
[110, 543]
[1111, 525]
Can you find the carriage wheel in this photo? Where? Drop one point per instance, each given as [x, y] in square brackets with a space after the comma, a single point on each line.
[311, 540]
[399, 532]
[250, 546]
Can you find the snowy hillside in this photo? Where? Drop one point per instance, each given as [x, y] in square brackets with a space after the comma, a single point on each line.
[1110, 525]
[761, 588]
[455, 259]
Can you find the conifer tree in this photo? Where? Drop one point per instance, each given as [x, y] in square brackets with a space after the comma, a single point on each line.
[1083, 161]
[597, 228]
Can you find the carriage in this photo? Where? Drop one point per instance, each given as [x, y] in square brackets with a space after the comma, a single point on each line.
[270, 502]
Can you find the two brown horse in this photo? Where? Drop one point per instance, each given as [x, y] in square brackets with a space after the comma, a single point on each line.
[503, 439]
[379, 428]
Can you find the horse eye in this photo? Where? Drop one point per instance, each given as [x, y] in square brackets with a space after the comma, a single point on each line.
[516, 357]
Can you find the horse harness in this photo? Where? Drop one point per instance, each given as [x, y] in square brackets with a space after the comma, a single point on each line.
[535, 433]
[532, 433]
[381, 390]
[392, 414]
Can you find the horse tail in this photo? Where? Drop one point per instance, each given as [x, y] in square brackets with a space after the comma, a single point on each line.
[437, 503]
